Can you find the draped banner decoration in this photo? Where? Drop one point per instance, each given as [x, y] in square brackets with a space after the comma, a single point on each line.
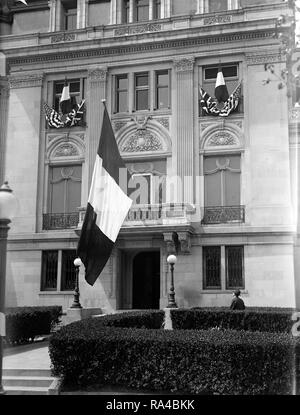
[72, 119]
[211, 107]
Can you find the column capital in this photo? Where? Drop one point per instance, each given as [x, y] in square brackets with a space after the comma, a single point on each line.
[98, 74]
[26, 80]
[184, 64]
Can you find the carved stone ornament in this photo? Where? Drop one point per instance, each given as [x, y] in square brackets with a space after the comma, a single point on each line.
[97, 74]
[222, 138]
[253, 59]
[185, 242]
[63, 37]
[170, 243]
[118, 125]
[165, 122]
[135, 30]
[66, 150]
[185, 64]
[217, 19]
[142, 141]
[25, 81]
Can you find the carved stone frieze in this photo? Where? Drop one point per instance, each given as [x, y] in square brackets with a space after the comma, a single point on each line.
[134, 30]
[141, 122]
[25, 81]
[184, 64]
[254, 59]
[142, 141]
[222, 138]
[63, 37]
[217, 19]
[66, 150]
[97, 74]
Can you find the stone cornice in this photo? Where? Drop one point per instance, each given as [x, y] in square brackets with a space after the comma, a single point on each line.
[25, 81]
[98, 74]
[138, 48]
[184, 64]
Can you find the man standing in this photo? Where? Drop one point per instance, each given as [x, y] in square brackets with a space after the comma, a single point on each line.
[237, 303]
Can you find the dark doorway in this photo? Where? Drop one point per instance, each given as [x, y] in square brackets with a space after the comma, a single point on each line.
[146, 281]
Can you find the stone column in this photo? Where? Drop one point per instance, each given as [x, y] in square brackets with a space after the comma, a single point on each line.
[167, 8]
[151, 9]
[200, 6]
[4, 95]
[131, 10]
[97, 91]
[184, 71]
[113, 11]
[82, 13]
[52, 19]
[58, 15]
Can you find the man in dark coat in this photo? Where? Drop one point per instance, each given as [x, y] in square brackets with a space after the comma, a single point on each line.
[237, 303]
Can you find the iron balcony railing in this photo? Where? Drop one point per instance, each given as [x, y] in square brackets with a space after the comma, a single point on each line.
[60, 221]
[223, 214]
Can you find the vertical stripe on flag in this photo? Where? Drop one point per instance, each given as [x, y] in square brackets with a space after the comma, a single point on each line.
[221, 92]
[23, 1]
[65, 100]
[107, 207]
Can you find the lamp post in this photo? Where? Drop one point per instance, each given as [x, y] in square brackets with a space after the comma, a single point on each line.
[172, 259]
[76, 303]
[8, 208]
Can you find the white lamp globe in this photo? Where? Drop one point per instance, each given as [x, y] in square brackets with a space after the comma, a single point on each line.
[8, 202]
[77, 262]
[172, 259]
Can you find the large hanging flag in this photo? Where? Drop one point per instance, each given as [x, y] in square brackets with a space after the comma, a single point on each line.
[210, 106]
[53, 117]
[65, 100]
[232, 102]
[107, 206]
[221, 92]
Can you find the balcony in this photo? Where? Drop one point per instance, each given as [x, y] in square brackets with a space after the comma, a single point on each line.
[223, 214]
[60, 221]
[166, 214]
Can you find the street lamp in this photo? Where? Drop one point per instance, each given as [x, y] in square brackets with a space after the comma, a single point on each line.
[76, 303]
[8, 208]
[172, 259]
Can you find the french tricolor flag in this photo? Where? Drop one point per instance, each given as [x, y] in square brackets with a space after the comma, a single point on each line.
[221, 92]
[107, 207]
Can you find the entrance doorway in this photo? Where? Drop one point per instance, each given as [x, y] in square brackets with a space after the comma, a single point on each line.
[146, 281]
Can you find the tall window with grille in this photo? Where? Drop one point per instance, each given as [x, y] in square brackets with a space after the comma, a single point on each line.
[157, 9]
[222, 189]
[64, 197]
[141, 82]
[58, 270]
[121, 93]
[234, 267]
[212, 267]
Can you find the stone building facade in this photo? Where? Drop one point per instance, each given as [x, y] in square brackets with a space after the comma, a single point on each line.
[230, 213]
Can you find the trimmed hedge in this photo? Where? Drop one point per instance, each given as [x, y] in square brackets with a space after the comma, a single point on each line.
[146, 319]
[24, 323]
[251, 319]
[87, 353]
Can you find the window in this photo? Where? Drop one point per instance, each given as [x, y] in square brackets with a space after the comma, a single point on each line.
[58, 270]
[64, 197]
[125, 11]
[76, 92]
[222, 176]
[142, 91]
[231, 77]
[234, 267]
[186, 7]
[217, 5]
[157, 9]
[69, 15]
[217, 278]
[162, 89]
[121, 95]
[141, 10]
[212, 267]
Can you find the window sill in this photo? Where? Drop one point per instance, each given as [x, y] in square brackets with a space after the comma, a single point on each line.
[56, 293]
[220, 291]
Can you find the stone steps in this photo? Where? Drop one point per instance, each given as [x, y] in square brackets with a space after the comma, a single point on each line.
[27, 381]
